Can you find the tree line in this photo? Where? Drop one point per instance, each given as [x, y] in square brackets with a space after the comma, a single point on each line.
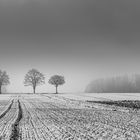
[33, 78]
[119, 84]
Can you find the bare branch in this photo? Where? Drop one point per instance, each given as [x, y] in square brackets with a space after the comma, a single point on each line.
[56, 80]
[4, 79]
[34, 78]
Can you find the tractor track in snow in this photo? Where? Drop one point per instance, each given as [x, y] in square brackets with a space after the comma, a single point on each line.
[15, 135]
[6, 111]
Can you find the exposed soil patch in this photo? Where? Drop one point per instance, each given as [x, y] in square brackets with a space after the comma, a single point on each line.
[134, 104]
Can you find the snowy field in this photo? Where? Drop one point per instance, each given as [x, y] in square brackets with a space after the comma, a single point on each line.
[66, 117]
[102, 96]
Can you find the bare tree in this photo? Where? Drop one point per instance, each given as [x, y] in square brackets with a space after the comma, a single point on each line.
[119, 84]
[57, 80]
[4, 79]
[34, 78]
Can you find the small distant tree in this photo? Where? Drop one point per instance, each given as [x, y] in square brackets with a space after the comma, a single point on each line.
[34, 78]
[57, 80]
[4, 80]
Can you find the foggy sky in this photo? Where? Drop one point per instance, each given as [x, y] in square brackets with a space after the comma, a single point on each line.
[80, 39]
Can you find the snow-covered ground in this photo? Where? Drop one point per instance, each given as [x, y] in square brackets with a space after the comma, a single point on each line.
[102, 96]
[67, 116]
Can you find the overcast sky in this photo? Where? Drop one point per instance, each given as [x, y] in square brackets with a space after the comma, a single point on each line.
[80, 39]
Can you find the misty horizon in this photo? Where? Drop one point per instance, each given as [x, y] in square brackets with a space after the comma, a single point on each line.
[81, 40]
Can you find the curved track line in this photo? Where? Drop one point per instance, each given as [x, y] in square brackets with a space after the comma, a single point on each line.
[9, 107]
[15, 127]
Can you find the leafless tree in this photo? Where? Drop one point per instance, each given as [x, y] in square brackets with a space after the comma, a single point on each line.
[119, 84]
[57, 80]
[34, 78]
[4, 79]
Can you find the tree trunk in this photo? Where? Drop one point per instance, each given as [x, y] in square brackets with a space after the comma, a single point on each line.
[0, 89]
[34, 89]
[56, 90]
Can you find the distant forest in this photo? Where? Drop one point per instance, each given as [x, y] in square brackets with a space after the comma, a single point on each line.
[119, 84]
